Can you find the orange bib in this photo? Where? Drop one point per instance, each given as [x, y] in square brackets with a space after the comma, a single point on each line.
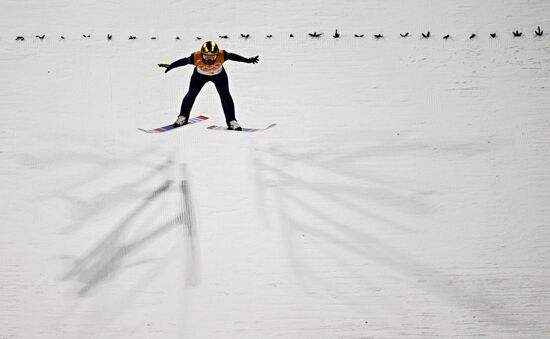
[206, 69]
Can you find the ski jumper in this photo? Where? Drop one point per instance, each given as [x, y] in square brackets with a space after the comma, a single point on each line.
[204, 73]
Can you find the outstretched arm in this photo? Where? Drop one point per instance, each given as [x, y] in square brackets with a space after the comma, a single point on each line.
[181, 62]
[236, 57]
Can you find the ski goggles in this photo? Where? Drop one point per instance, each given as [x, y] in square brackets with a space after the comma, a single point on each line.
[209, 57]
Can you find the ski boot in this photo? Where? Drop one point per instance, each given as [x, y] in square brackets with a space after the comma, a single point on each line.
[234, 125]
[180, 121]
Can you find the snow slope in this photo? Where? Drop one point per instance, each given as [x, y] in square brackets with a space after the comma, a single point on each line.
[404, 193]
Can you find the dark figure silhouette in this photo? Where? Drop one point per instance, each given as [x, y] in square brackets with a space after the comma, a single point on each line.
[517, 33]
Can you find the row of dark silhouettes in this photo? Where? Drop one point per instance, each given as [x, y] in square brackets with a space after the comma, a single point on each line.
[336, 35]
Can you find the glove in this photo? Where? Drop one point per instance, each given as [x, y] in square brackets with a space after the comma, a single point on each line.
[254, 60]
[167, 66]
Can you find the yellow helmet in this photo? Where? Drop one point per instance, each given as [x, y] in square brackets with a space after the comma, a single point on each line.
[210, 48]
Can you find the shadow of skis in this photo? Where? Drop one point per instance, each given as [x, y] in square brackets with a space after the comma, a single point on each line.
[187, 220]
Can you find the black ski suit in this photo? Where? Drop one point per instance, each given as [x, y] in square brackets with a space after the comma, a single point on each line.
[199, 79]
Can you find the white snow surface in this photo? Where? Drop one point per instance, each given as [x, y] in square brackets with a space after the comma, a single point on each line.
[405, 192]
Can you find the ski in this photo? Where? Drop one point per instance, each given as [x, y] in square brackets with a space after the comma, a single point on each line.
[244, 129]
[171, 126]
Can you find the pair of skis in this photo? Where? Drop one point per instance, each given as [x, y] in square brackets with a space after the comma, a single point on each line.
[199, 119]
